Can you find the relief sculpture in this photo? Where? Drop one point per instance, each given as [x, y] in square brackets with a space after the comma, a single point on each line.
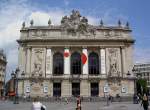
[38, 63]
[113, 60]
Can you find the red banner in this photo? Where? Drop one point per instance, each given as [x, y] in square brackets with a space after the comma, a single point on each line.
[84, 58]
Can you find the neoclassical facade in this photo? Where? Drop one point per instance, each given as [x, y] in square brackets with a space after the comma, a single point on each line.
[75, 58]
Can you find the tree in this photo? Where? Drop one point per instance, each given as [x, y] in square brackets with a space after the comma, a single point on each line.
[141, 85]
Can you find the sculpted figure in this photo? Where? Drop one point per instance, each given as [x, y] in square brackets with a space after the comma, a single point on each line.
[113, 62]
[38, 63]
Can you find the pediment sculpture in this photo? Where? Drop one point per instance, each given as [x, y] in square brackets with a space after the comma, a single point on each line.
[76, 24]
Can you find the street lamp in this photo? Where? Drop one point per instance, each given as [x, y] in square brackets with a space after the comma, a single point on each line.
[15, 77]
[128, 74]
[23, 76]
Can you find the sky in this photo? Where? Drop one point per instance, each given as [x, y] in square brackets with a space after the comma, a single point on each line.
[14, 12]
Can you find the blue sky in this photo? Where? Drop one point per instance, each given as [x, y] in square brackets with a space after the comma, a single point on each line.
[14, 12]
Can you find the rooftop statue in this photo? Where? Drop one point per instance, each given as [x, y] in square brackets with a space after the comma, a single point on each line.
[75, 23]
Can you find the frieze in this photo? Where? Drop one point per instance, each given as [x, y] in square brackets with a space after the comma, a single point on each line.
[38, 34]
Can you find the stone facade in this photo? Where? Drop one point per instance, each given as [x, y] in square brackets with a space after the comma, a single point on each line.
[111, 45]
[3, 63]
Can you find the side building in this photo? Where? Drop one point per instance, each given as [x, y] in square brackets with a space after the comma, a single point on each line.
[75, 58]
[142, 70]
[3, 63]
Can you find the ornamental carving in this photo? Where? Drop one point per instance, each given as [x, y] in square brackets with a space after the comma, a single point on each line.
[75, 24]
[39, 33]
[38, 59]
[113, 62]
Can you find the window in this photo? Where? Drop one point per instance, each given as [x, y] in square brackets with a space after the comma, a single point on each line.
[57, 89]
[93, 63]
[76, 63]
[58, 64]
[94, 89]
[75, 89]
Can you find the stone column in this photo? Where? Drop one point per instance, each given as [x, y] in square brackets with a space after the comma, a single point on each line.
[85, 66]
[48, 62]
[123, 60]
[28, 62]
[103, 61]
[66, 61]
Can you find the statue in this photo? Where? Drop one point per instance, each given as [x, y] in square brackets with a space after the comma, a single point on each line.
[75, 25]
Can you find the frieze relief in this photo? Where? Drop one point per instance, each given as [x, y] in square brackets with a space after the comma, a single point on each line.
[38, 63]
[38, 34]
[112, 34]
[113, 62]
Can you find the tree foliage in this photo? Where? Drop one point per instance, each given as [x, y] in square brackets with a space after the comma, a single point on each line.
[141, 85]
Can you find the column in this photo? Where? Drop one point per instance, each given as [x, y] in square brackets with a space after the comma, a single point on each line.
[123, 60]
[48, 62]
[66, 61]
[103, 61]
[28, 61]
[85, 60]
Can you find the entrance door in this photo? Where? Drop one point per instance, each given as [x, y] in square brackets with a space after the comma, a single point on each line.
[57, 89]
[94, 89]
[75, 89]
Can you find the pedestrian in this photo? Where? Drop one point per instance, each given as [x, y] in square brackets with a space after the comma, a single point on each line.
[78, 103]
[145, 102]
[37, 105]
[66, 100]
[24, 97]
[110, 98]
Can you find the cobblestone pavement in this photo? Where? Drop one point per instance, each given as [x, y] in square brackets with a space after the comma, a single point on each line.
[7, 105]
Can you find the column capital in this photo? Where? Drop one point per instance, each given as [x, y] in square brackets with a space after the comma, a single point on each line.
[122, 47]
[48, 47]
[84, 47]
[28, 47]
[102, 47]
[66, 47]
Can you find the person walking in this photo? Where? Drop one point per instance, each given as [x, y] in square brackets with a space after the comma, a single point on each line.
[145, 102]
[37, 105]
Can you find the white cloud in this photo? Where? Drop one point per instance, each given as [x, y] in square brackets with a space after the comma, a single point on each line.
[41, 18]
[92, 20]
[10, 33]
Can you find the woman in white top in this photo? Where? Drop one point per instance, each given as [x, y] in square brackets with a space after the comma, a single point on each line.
[36, 105]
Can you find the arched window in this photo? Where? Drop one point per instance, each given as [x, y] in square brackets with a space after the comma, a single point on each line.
[93, 63]
[76, 63]
[58, 64]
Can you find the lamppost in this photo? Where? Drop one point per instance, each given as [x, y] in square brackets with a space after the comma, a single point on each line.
[23, 78]
[15, 77]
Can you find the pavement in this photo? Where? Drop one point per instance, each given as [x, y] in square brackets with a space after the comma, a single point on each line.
[8, 105]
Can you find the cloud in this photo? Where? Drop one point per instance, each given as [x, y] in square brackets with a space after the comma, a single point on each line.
[41, 18]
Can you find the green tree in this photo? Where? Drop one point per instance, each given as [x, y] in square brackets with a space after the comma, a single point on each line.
[141, 85]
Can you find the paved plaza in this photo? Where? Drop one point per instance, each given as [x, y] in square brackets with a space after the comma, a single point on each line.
[7, 105]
